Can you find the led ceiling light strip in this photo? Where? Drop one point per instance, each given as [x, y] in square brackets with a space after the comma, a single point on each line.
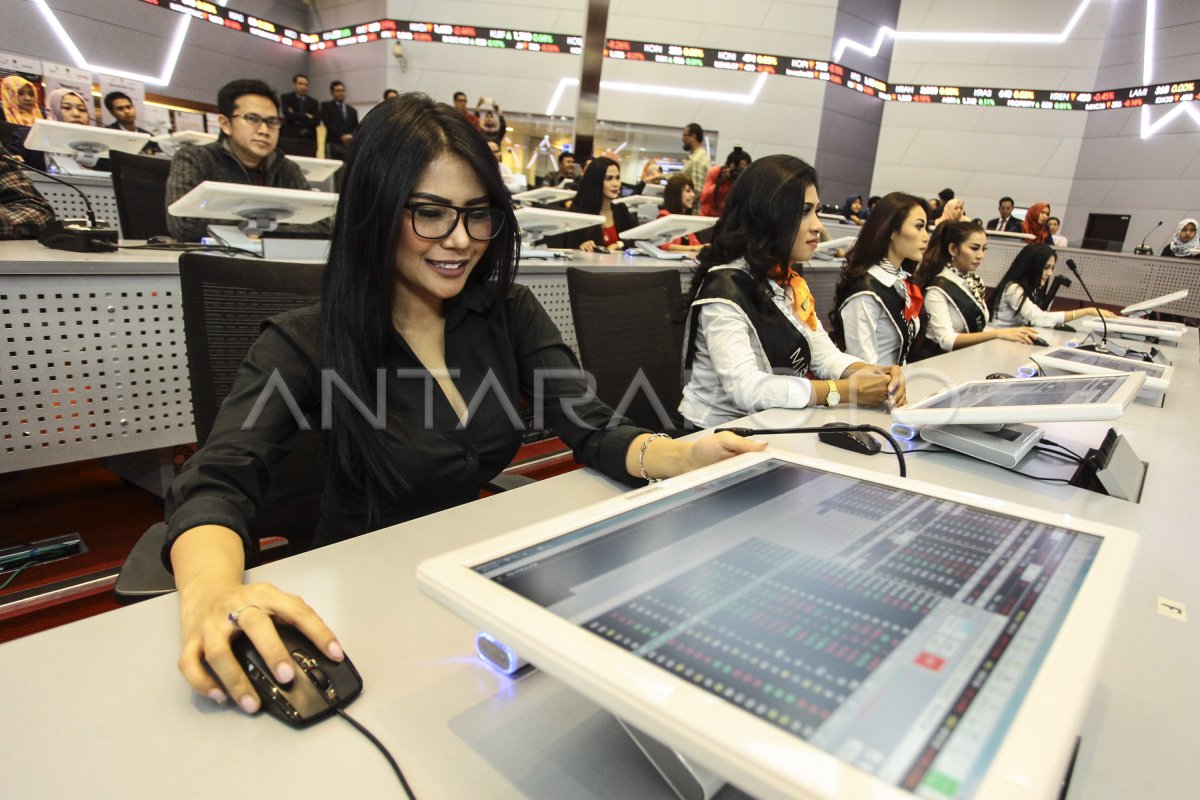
[665, 91]
[1148, 128]
[872, 50]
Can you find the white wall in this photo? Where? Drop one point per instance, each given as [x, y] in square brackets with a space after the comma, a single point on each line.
[133, 36]
[986, 153]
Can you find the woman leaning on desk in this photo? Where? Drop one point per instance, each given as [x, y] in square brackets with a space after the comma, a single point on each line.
[955, 305]
[1020, 296]
[418, 290]
[753, 335]
[599, 186]
[877, 308]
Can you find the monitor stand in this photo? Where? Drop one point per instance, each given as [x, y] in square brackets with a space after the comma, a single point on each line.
[234, 236]
[648, 248]
[688, 781]
[1004, 445]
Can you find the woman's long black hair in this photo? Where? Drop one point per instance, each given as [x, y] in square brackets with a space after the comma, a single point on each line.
[395, 144]
[761, 218]
[1026, 272]
[673, 194]
[590, 195]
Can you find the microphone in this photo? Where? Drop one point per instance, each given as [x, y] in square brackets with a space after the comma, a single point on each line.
[1102, 347]
[60, 235]
[1059, 282]
[833, 426]
[1142, 250]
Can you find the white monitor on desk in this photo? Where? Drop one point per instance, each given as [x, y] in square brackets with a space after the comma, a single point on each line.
[1068, 398]
[172, 142]
[316, 169]
[1131, 326]
[834, 659]
[258, 207]
[1089, 362]
[86, 143]
[545, 194]
[647, 237]
[537, 223]
[1025, 237]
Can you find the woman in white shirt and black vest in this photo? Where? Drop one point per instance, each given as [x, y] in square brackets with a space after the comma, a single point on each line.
[877, 308]
[1019, 298]
[753, 339]
[956, 309]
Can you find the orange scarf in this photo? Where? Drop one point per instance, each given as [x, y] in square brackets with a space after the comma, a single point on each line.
[803, 304]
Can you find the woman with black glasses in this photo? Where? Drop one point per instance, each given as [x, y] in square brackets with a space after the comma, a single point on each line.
[418, 308]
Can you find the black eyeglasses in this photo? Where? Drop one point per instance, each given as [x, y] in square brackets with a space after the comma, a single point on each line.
[436, 221]
[254, 120]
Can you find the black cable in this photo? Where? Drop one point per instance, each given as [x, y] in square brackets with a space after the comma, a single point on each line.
[823, 428]
[12, 576]
[183, 247]
[1058, 454]
[1064, 448]
[395, 767]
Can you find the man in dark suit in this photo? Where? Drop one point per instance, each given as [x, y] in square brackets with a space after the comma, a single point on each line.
[121, 106]
[301, 116]
[1006, 221]
[341, 121]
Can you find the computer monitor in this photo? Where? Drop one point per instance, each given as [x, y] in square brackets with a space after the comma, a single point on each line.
[1069, 398]
[1134, 327]
[86, 143]
[635, 200]
[1146, 306]
[545, 195]
[258, 207]
[172, 142]
[1088, 362]
[1105, 232]
[316, 169]
[538, 223]
[808, 630]
[1028, 237]
[664, 229]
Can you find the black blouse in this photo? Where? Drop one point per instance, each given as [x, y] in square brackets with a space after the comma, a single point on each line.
[500, 353]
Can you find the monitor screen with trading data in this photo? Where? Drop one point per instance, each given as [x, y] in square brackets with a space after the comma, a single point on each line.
[896, 631]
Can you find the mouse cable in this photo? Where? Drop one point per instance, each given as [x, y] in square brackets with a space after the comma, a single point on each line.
[1064, 448]
[184, 247]
[395, 767]
[1049, 451]
[822, 429]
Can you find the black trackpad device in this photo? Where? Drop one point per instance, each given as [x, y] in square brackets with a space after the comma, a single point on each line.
[854, 441]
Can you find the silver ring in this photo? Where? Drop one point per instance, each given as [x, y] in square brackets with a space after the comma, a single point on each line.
[233, 617]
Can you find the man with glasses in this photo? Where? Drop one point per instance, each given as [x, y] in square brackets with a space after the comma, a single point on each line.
[246, 152]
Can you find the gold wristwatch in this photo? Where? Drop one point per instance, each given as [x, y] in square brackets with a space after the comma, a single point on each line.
[834, 397]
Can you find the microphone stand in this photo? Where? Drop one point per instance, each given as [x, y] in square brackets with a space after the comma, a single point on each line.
[1102, 347]
[836, 426]
[60, 236]
[1141, 249]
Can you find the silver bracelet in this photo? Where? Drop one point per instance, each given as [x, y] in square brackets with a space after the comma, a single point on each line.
[642, 456]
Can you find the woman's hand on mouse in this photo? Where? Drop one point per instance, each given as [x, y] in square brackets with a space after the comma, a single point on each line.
[208, 562]
[1022, 335]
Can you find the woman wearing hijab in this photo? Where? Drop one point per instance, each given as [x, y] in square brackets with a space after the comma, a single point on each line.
[1035, 222]
[68, 105]
[19, 98]
[1185, 244]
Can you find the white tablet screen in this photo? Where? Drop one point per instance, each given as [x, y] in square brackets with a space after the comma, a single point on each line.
[894, 630]
[1090, 358]
[991, 394]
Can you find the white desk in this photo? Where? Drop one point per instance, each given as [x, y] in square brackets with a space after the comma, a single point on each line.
[100, 710]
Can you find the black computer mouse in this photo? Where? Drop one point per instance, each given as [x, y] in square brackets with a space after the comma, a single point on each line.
[1000, 376]
[854, 441]
[1040, 342]
[321, 684]
[1062, 326]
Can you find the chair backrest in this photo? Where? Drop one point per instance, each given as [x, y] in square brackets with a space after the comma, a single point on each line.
[225, 301]
[629, 327]
[140, 184]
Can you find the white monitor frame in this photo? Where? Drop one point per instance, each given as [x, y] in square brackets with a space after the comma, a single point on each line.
[259, 207]
[316, 169]
[1060, 358]
[921, 412]
[638, 200]
[1154, 302]
[834, 244]
[753, 754]
[172, 142]
[672, 226]
[538, 223]
[1135, 327]
[86, 142]
[1025, 237]
[545, 194]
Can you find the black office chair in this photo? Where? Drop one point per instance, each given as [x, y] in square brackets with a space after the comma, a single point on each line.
[225, 301]
[140, 184]
[629, 326]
